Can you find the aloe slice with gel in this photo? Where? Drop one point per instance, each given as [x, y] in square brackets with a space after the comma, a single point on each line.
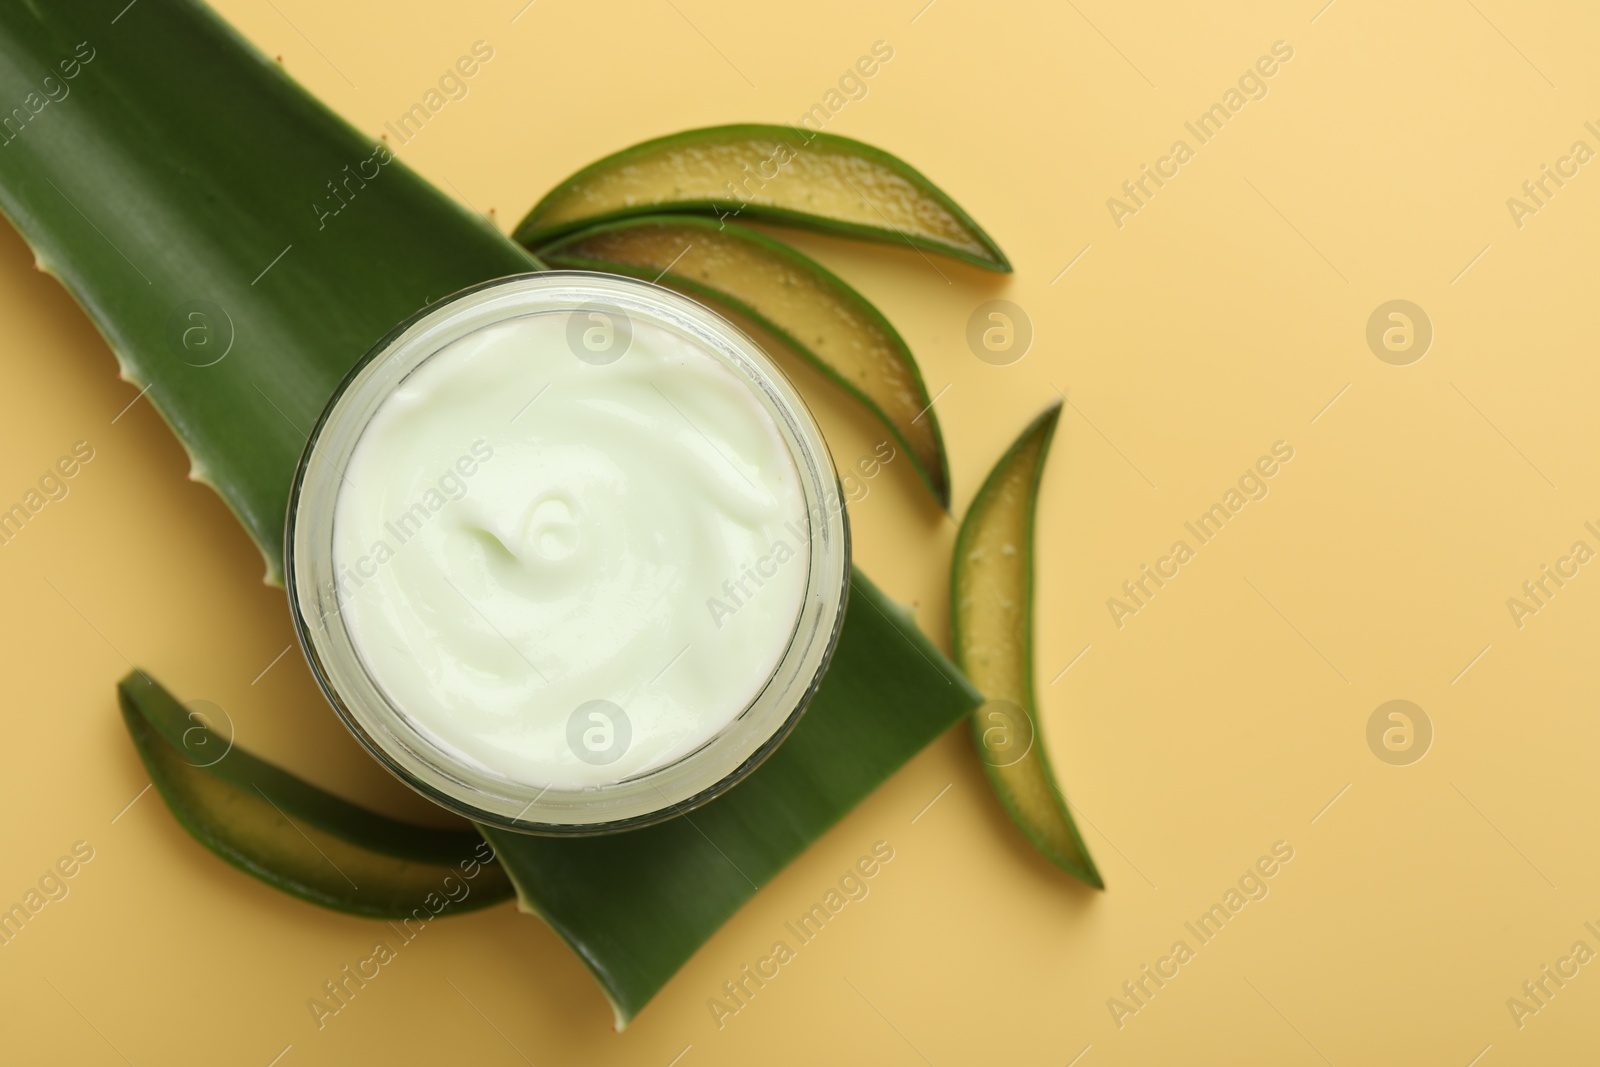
[297, 837]
[779, 174]
[991, 622]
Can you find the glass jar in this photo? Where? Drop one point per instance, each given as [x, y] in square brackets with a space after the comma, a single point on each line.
[402, 742]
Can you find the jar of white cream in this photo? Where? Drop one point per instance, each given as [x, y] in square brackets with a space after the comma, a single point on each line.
[566, 553]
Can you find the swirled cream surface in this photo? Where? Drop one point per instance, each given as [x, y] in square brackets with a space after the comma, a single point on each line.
[567, 566]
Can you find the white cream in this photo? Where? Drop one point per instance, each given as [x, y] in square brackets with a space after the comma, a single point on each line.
[520, 532]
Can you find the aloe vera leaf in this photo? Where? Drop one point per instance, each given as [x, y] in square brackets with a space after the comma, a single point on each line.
[991, 622]
[803, 303]
[636, 905]
[203, 110]
[239, 246]
[818, 181]
[295, 836]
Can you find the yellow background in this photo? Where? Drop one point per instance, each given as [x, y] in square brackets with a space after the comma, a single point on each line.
[1222, 718]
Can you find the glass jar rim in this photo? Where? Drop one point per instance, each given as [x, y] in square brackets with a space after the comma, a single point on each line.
[404, 747]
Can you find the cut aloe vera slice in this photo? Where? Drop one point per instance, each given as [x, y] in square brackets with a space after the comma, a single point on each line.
[991, 622]
[777, 174]
[807, 306]
[296, 837]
